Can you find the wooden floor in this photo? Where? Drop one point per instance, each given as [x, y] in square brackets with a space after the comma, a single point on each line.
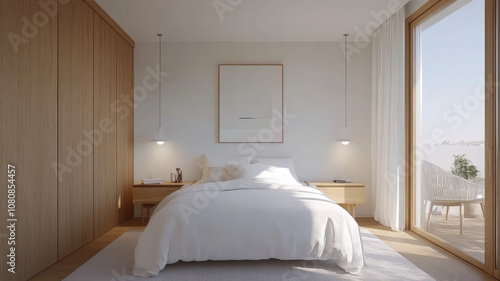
[431, 259]
[436, 262]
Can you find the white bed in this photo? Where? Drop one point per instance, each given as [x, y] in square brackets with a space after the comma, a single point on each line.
[251, 218]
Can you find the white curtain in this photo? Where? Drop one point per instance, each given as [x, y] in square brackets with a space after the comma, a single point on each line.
[388, 115]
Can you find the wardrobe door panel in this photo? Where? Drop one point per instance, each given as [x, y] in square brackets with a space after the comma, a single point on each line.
[76, 122]
[124, 128]
[28, 142]
[105, 203]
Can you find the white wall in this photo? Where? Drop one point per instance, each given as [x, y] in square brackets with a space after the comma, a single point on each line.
[313, 92]
[413, 6]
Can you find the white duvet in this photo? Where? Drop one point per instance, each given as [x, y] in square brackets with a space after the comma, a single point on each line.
[248, 219]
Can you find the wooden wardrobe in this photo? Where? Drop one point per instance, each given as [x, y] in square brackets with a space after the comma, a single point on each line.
[66, 82]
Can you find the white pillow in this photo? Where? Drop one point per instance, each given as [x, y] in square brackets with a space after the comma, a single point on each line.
[282, 163]
[264, 171]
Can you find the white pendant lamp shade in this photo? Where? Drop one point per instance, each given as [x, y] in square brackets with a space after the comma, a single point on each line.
[160, 132]
[345, 135]
[160, 136]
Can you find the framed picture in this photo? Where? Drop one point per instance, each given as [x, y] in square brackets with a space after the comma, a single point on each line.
[250, 103]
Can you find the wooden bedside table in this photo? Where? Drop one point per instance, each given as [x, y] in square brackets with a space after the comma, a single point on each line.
[346, 195]
[148, 195]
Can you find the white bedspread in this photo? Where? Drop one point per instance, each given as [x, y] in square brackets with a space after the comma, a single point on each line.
[248, 220]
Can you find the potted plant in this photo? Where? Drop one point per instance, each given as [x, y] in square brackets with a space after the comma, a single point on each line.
[464, 168]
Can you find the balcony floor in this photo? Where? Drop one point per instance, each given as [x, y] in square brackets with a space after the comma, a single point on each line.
[472, 239]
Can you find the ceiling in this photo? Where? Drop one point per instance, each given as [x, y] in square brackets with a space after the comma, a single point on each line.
[249, 20]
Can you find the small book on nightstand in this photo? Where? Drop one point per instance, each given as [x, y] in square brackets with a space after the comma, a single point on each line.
[342, 181]
[152, 181]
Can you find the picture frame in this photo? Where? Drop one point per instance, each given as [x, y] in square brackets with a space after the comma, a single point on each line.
[250, 103]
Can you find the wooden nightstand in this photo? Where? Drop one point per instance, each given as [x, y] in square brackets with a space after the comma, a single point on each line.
[148, 195]
[346, 195]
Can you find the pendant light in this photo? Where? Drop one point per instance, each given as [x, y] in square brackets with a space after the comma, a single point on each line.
[160, 137]
[345, 132]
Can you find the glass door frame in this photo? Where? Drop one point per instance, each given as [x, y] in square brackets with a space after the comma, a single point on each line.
[492, 127]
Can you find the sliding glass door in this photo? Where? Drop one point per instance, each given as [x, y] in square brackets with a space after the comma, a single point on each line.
[451, 128]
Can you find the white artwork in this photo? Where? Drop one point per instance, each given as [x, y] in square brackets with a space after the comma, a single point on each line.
[251, 103]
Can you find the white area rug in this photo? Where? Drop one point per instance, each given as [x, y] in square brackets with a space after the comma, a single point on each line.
[115, 262]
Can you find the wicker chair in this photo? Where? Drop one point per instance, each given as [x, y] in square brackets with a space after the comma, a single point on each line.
[447, 189]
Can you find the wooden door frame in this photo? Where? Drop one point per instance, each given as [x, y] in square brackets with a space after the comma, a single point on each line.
[492, 87]
[491, 129]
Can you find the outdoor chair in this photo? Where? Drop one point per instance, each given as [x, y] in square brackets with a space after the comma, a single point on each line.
[447, 189]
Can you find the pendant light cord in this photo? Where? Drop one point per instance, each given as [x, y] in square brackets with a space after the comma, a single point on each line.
[345, 79]
[159, 80]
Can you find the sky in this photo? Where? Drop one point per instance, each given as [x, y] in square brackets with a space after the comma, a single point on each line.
[453, 74]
